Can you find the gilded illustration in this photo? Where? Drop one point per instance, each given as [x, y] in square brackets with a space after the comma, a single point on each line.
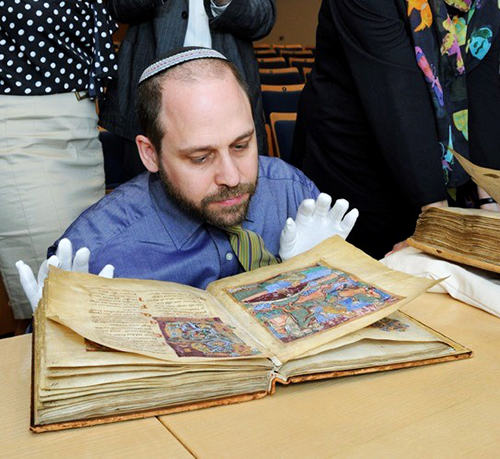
[202, 337]
[309, 300]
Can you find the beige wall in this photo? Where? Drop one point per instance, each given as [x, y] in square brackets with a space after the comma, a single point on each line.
[296, 23]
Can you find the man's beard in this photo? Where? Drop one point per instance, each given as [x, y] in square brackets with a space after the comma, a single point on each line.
[223, 217]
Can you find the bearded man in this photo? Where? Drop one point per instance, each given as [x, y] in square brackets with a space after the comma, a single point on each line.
[209, 205]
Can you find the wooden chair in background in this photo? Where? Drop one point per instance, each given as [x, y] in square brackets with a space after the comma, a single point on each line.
[295, 47]
[285, 76]
[282, 128]
[272, 63]
[306, 71]
[287, 55]
[280, 99]
[300, 63]
[265, 53]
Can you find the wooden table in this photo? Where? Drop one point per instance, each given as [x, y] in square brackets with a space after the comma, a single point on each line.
[445, 410]
[142, 438]
[438, 411]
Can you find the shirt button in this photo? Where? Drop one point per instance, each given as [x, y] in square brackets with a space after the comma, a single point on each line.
[229, 256]
[184, 15]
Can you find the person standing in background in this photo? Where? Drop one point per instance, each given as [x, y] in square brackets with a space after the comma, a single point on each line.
[158, 26]
[55, 59]
[397, 87]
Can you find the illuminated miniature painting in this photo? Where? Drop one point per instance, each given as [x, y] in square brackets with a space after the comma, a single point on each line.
[92, 346]
[309, 300]
[390, 325]
[202, 337]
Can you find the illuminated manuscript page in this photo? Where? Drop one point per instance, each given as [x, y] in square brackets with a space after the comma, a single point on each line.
[128, 315]
[315, 298]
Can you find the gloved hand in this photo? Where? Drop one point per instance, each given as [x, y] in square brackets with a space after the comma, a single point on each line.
[62, 259]
[314, 223]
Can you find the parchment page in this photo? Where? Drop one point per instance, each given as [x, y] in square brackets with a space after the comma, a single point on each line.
[317, 297]
[365, 354]
[487, 179]
[396, 327]
[68, 353]
[164, 320]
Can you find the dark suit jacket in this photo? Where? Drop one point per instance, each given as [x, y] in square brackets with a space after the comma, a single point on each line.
[157, 26]
[366, 128]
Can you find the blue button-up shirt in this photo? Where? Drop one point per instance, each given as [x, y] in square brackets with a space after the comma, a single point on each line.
[145, 235]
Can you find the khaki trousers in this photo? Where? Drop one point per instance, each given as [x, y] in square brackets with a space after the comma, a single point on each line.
[51, 169]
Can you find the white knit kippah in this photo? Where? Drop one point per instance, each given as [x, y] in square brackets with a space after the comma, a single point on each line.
[179, 56]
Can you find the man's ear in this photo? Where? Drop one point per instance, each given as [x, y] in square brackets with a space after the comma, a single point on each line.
[148, 154]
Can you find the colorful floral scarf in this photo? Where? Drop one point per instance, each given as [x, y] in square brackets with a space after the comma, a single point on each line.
[450, 38]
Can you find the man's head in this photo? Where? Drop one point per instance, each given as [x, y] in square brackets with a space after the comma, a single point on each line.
[200, 137]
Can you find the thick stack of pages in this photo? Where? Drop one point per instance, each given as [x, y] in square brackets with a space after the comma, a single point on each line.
[114, 349]
[469, 236]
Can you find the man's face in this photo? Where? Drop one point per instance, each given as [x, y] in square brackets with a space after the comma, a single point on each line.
[209, 152]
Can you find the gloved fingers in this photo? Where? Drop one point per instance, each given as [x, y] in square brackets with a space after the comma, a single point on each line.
[108, 272]
[24, 271]
[65, 253]
[338, 210]
[28, 282]
[44, 268]
[289, 233]
[288, 239]
[349, 221]
[305, 211]
[323, 204]
[81, 260]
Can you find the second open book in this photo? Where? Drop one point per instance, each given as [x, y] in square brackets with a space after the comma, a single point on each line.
[113, 349]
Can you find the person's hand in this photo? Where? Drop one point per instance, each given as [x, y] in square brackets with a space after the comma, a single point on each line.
[314, 223]
[486, 202]
[397, 247]
[62, 259]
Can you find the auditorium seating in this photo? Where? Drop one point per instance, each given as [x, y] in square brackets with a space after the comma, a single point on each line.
[284, 99]
[285, 76]
[282, 129]
[280, 48]
[287, 55]
[306, 71]
[272, 63]
[300, 64]
[282, 80]
[265, 53]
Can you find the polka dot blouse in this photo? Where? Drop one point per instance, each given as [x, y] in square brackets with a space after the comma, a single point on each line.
[50, 47]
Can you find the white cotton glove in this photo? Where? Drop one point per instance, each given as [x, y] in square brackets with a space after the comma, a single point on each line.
[62, 259]
[314, 223]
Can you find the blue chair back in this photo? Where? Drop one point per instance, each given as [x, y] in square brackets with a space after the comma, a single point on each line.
[283, 99]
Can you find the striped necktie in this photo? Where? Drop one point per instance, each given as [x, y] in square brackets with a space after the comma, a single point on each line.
[249, 248]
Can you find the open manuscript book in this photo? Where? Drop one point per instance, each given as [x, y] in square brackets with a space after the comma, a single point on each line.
[114, 349]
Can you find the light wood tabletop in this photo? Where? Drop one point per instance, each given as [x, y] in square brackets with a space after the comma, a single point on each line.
[141, 438]
[444, 410]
